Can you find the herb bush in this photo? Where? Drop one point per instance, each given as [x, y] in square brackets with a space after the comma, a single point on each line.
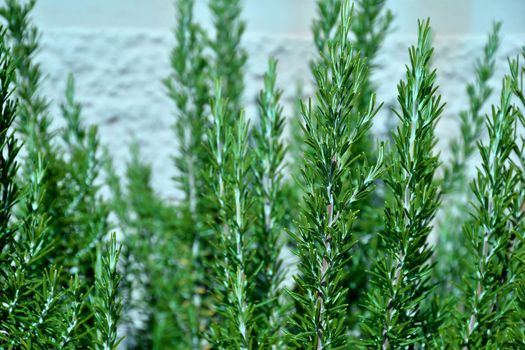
[208, 271]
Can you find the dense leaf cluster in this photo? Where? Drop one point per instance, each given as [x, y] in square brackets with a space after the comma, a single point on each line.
[315, 240]
[55, 295]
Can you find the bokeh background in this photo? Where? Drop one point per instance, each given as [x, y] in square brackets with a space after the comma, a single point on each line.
[119, 52]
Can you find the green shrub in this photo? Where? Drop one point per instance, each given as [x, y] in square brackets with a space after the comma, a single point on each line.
[59, 281]
[210, 270]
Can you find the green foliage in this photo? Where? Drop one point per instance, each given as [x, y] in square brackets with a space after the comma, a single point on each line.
[517, 335]
[12, 277]
[370, 26]
[10, 147]
[229, 184]
[333, 181]
[33, 123]
[188, 88]
[48, 259]
[85, 221]
[516, 329]
[77, 217]
[456, 175]
[401, 276]
[487, 295]
[148, 222]
[269, 204]
[472, 119]
[324, 26]
[73, 315]
[229, 57]
[207, 271]
[107, 302]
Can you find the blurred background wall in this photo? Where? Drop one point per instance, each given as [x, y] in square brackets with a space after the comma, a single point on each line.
[118, 51]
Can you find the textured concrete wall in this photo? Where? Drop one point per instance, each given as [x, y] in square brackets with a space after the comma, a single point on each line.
[118, 51]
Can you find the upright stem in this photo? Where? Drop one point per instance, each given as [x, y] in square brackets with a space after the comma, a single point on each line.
[401, 277]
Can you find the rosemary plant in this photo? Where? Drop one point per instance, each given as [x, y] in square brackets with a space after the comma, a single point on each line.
[370, 26]
[472, 120]
[10, 196]
[85, 221]
[228, 182]
[324, 26]
[188, 87]
[333, 182]
[60, 217]
[207, 271]
[71, 200]
[229, 57]
[10, 147]
[37, 310]
[456, 174]
[31, 298]
[495, 236]
[34, 122]
[516, 336]
[487, 298]
[270, 151]
[154, 284]
[107, 302]
[401, 277]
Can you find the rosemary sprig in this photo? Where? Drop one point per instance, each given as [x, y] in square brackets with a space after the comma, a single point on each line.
[188, 88]
[107, 303]
[486, 291]
[333, 182]
[229, 57]
[229, 184]
[400, 280]
[456, 175]
[268, 183]
[472, 120]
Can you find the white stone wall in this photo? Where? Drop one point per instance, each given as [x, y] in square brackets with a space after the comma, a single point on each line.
[119, 49]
